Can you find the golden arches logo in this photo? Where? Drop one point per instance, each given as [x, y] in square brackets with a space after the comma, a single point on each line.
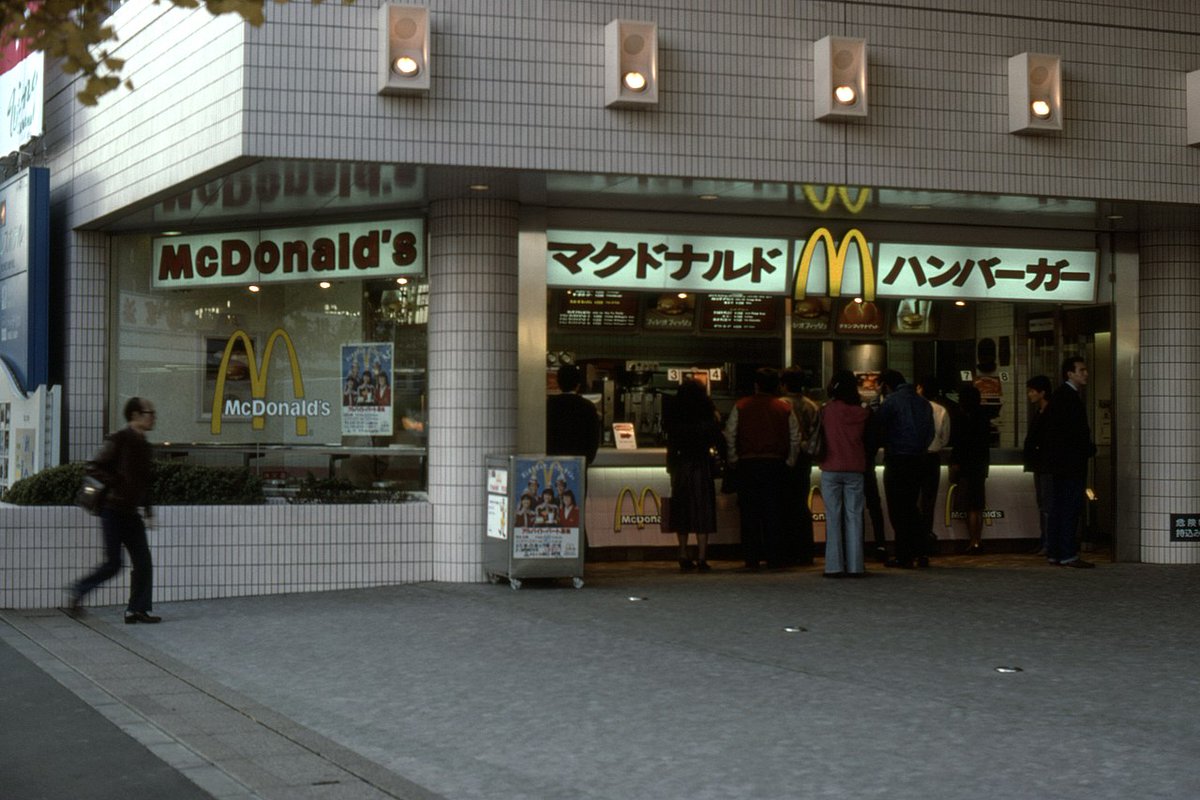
[987, 518]
[258, 378]
[835, 256]
[823, 204]
[639, 516]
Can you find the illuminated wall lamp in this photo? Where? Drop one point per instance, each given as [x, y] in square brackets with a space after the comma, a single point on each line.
[403, 49]
[630, 64]
[1193, 108]
[1035, 94]
[839, 78]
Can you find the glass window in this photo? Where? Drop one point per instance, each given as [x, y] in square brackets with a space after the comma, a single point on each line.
[315, 377]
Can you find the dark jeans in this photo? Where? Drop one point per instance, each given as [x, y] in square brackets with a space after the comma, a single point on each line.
[1043, 484]
[1065, 507]
[931, 479]
[901, 485]
[874, 506]
[798, 524]
[761, 483]
[123, 528]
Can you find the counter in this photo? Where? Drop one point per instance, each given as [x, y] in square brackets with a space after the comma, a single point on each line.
[626, 487]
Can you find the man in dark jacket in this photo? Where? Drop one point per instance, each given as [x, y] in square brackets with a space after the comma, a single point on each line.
[1066, 447]
[123, 466]
[572, 424]
[1037, 390]
[762, 437]
[906, 425]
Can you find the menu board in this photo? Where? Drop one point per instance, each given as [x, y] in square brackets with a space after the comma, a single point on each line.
[812, 315]
[740, 313]
[860, 318]
[597, 308]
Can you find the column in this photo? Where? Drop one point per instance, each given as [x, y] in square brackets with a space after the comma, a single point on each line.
[1169, 316]
[473, 273]
[85, 255]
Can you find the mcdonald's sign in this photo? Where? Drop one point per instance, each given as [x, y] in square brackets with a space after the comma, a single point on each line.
[824, 203]
[639, 517]
[258, 408]
[835, 262]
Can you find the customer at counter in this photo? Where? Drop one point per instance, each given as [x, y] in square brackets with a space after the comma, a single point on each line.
[572, 424]
[969, 461]
[797, 518]
[906, 424]
[844, 421]
[693, 429]
[762, 437]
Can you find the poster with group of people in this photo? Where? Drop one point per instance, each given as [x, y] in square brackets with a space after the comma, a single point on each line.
[367, 389]
[548, 519]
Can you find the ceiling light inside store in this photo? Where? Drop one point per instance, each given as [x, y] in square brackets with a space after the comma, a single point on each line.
[479, 187]
[634, 81]
[252, 287]
[682, 295]
[402, 281]
[172, 233]
[858, 300]
[324, 284]
[960, 303]
[710, 197]
[406, 66]
[845, 95]
[1040, 109]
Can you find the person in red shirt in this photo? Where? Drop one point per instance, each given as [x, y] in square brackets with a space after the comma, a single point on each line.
[762, 438]
[844, 421]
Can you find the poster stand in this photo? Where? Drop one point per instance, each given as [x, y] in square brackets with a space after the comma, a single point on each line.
[535, 512]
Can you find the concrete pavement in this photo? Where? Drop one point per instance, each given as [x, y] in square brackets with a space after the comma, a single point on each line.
[647, 683]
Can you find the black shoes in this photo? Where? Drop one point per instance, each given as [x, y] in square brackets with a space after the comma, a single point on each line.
[74, 605]
[702, 566]
[686, 565]
[1077, 563]
[896, 563]
[132, 617]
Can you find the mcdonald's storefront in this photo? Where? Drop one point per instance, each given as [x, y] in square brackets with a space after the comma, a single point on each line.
[643, 308]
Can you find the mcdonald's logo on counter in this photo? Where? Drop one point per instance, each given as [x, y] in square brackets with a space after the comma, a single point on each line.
[258, 408]
[834, 258]
[639, 517]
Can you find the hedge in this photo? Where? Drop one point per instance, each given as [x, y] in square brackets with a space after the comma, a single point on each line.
[174, 483]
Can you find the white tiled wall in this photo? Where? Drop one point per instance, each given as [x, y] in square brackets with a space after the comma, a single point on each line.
[204, 552]
[1170, 353]
[472, 370]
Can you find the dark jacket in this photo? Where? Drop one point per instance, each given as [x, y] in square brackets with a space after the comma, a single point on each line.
[971, 443]
[572, 426]
[1031, 455]
[1067, 443]
[123, 465]
[691, 437]
[906, 422]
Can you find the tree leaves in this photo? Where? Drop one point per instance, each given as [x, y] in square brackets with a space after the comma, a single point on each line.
[75, 32]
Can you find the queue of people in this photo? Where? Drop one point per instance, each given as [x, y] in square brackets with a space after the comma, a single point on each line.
[918, 429]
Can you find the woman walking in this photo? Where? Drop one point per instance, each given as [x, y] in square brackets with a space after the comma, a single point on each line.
[844, 421]
[693, 429]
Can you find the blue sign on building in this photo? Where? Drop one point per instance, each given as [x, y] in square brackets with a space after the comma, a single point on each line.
[25, 276]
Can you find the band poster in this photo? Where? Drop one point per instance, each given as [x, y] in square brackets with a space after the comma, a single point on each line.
[367, 389]
[548, 519]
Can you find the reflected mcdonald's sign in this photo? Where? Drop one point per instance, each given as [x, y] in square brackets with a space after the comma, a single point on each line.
[258, 408]
[835, 259]
[823, 204]
[639, 517]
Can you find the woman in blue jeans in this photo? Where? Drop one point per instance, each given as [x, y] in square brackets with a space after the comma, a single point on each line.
[844, 419]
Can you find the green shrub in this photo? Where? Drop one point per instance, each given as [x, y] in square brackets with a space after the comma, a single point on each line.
[338, 490]
[174, 483]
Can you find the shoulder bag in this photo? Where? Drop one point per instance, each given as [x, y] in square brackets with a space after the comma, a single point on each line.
[815, 446]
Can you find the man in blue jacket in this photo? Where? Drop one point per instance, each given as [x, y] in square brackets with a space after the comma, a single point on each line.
[906, 426]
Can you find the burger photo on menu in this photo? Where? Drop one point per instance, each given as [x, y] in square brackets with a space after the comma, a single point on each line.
[670, 311]
[860, 317]
[811, 315]
[913, 317]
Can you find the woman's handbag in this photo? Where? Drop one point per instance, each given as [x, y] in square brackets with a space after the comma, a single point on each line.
[90, 496]
[815, 446]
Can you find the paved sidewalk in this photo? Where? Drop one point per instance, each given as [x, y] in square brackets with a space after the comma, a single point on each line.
[651, 684]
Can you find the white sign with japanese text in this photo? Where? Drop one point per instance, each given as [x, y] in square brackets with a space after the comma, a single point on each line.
[653, 262]
[972, 272]
[21, 93]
